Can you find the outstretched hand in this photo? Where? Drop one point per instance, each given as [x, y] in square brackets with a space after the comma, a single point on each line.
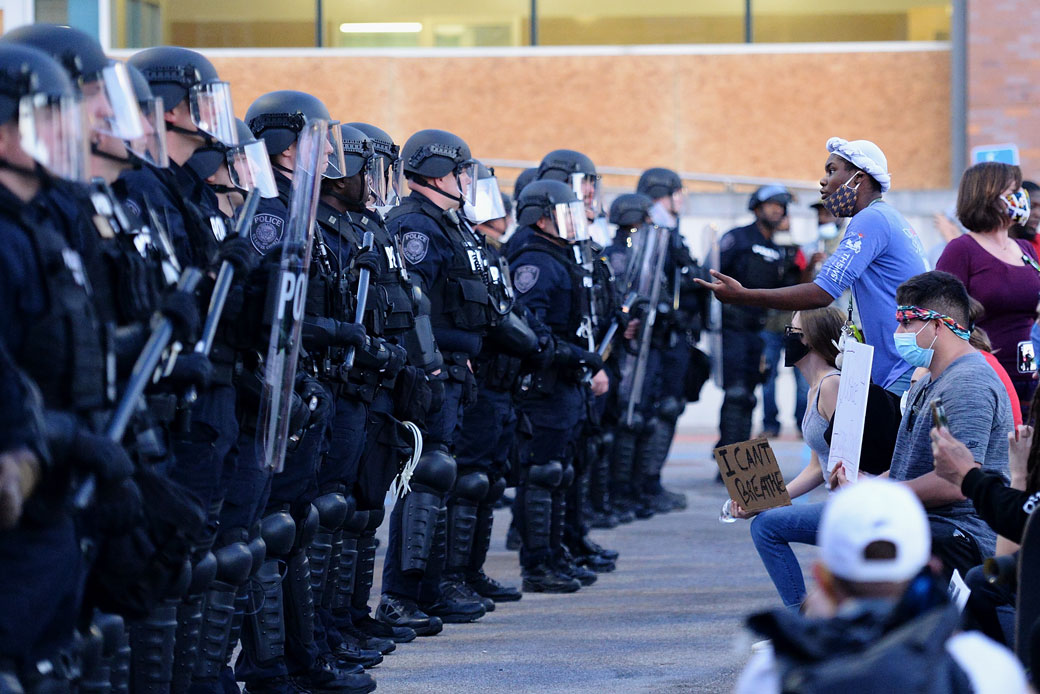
[726, 289]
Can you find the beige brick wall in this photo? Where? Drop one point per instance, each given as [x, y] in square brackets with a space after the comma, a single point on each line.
[753, 114]
[1004, 77]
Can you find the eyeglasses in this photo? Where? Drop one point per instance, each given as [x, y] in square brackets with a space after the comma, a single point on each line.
[791, 330]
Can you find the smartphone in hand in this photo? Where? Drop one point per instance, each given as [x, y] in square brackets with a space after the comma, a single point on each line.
[939, 414]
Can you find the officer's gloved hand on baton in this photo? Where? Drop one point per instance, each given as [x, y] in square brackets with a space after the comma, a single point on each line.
[182, 308]
[367, 259]
[239, 253]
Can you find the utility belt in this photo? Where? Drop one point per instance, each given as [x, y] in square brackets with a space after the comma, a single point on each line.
[357, 383]
[498, 372]
[456, 366]
[544, 382]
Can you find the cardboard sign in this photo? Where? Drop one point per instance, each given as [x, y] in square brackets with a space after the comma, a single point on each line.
[752, 476]
[851, 410]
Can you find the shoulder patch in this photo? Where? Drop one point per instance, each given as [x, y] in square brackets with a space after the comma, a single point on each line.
[414, 246]
[525, 277]
[266, 232]
[133, 207]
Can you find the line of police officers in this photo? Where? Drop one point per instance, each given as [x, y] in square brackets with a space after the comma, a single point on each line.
[224, 342]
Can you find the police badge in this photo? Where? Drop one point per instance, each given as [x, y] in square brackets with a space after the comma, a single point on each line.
[525, 277]
[414, 244]
[266, 232]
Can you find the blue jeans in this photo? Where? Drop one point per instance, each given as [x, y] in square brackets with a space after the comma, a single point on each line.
[773, 531]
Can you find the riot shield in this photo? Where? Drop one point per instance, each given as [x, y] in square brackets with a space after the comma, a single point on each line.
[286, 304]
[651, 252]
[712, 262]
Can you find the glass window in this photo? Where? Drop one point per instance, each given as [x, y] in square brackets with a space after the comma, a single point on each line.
[850, 20]
[422, 24]
[213, 23]
[620, 22]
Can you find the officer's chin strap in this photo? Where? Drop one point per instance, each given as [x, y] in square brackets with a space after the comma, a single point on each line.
[130, 159]
[355, 205]
[202, 135]
[401, 484]
[457, 198]
[283, 169]
[37, 172]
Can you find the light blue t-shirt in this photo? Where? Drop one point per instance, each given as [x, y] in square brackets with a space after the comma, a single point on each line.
[878, 252]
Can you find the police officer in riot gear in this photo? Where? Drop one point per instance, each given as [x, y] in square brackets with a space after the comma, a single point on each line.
[283, 643]
[749, 254]
[489, 424]
[52, 332]
[549, 282]
[447, 261]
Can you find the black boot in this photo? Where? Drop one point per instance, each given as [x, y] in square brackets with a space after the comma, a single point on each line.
[474, 573]
[545, 579]
[396, 611]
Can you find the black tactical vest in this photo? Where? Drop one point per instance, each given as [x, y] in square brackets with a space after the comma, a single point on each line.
[580, 306]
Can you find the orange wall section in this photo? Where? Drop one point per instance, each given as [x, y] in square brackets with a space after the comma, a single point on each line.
[740, 114]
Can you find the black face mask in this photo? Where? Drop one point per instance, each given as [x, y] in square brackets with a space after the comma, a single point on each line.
[794, 349]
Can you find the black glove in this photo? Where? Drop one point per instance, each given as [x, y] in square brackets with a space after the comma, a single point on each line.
[314, 395]
[436, 392]
[590, 360]
[192, 369]
[368, 260]
[118, 507]
[396, 360]
[107, 461]
[352, 334]
[299, 414]
[182, 308]
[469, 389]
[238, 251]
[545, 354]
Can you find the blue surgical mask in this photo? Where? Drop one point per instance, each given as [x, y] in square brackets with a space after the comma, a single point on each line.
[911, 352]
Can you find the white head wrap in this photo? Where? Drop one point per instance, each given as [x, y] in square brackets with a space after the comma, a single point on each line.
[863, 154]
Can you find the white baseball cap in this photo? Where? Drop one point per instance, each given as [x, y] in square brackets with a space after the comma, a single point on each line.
[863, 154]
[874, 510]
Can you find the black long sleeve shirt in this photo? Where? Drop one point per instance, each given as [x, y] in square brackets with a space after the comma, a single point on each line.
[1006, 510]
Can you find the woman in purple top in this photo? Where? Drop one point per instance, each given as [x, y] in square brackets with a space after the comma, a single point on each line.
[1000, 272]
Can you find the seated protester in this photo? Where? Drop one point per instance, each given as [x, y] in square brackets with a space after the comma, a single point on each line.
[933, 310]
[809, 345]
[881, 620]
[1005, 508]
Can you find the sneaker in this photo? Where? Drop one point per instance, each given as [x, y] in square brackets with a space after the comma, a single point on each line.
[565, 566]
[490, 588]
[456, 587]
[544, 579]
[403, 612]
[375, 628]
[365, 641]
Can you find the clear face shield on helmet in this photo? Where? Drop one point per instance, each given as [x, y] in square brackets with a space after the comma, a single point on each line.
[211, 111]
[250, 167]
[151, 146]
[586, 187]
[375, 180]
[487, 203]
[337, 164]
[394, 182]
[571, 222]
[53, 132]
[466, 177]
[112, 104]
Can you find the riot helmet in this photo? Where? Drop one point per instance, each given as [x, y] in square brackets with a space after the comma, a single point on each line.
[179, 74]
[277, 118]
[247, 163]
[507, 204]
[37, 94]
[113, 115]
[770, 193]
[554, 200]
[390, 154]
[576, 170]
[433, 154]
[364, 185]
[630, 210]
[526, 176]
[487, 196]
[657, 183]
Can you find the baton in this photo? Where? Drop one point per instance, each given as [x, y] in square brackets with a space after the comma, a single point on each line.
[367, 241]
[626, 308]
[142, 373]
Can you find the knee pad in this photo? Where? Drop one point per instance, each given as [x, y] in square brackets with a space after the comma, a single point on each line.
[472, 486]
[202, 574]
[306, 526]
[357, 523]
[670, 408]
[739, 396]
[278, 531]
[375, 519]
[234, 563]
[435, 471]
[608, 439]
[568, 477]
[547, 476]
[257, 548]
[333, 510]
[496, 488]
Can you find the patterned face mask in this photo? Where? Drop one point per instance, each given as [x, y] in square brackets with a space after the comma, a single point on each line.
[842, 202]
[1018, 206]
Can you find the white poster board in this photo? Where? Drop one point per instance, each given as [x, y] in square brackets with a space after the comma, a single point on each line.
[851, 411]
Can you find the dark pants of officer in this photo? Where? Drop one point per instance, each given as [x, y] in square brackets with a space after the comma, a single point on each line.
[205, 455]
[741, 360]
[442, 429]
[41, 589]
